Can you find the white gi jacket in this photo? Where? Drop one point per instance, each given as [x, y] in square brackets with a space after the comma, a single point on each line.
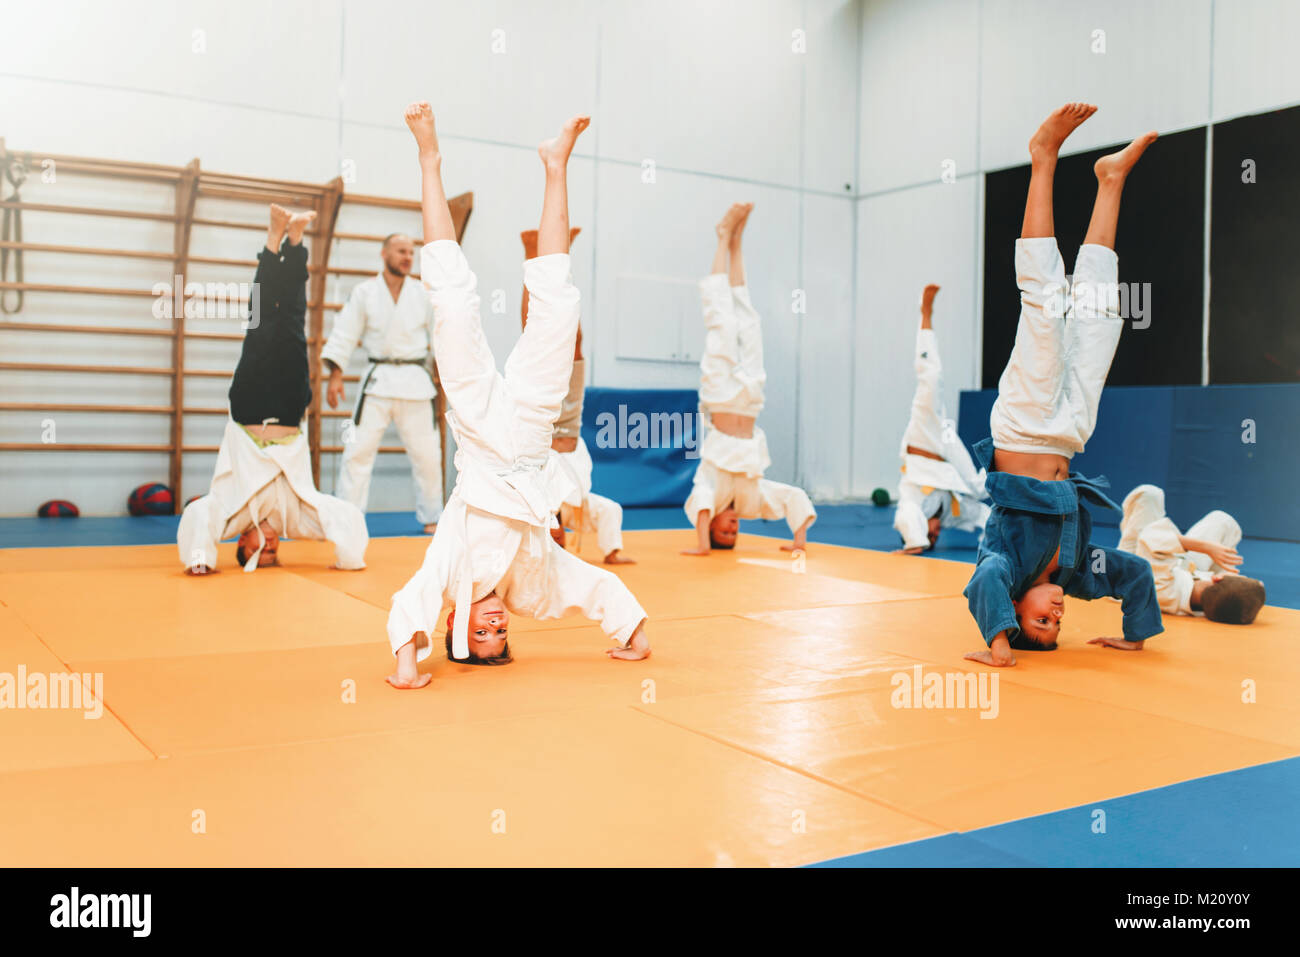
[250, 484]
[495, 532]
[953, 489]
[386, 330]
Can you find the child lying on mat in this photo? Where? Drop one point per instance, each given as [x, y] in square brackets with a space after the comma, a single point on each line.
[1035, 549]
[1196, 573]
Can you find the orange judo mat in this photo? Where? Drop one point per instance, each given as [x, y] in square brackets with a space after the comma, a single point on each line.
[244, 719]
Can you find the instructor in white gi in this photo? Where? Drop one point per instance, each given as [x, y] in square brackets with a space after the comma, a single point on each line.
[492, 554]
[390, 317]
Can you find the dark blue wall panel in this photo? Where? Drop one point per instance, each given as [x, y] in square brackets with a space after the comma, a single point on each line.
[1189, 441]
[642, 442]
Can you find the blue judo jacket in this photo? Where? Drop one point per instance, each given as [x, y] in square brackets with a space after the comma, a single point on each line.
[1030, 520]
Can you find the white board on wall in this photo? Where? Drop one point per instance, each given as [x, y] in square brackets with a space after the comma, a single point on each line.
[658, 319]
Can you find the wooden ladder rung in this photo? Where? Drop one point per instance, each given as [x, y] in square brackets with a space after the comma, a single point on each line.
[85, 250]
[81, 290]
[86, 407]
[234, 224]
[64, 367]
[87, 211]
[92, 330]
[79, 447]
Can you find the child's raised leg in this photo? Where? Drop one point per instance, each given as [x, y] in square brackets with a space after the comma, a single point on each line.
[433, 198]
[721, 357]
[736, 264]
[749, 329]
[1095, 321]
[1112, 172]
[538, 369]
[467, 369]
[1029, 410]
[925, 424]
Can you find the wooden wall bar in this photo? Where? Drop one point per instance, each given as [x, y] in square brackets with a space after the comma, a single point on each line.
[190, 183]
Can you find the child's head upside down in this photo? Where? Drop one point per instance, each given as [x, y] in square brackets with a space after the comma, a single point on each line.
[1036, 548]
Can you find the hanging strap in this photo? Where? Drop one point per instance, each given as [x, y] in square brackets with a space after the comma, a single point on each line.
[11, 230]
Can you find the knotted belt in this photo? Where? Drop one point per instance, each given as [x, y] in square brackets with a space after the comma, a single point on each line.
[375, 364]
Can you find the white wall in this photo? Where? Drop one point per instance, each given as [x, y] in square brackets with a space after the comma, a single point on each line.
[968, 81]
[842, 147]
[713, 94]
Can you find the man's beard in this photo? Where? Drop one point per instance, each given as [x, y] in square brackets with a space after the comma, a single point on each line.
[392, 271]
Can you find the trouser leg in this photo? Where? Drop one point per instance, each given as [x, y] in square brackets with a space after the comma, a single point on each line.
[360, 453]
[1029, 414]
[1093, 334]
[414, 419]
[1218, 527]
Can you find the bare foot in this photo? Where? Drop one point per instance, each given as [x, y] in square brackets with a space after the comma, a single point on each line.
[614, 558]
[406, 682]
[927, 298]
[279, 217]
[745, 210]
[555, 152]
[419, 118]
[298, 223]
[727, 225]
[638, 647]
[279, 221]
[1060, 123]
[1116, 166]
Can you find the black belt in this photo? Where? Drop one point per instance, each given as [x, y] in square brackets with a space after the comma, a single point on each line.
[374, 364]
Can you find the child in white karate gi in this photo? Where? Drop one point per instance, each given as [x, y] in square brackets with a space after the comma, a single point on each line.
[729, 483]
[940, 487]
[1195, 573]
[492, 554]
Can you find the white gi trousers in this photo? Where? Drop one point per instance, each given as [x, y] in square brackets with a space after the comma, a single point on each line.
[1065, 341]
[390, 392]
[732, 376]
[495, 533]
[418, 433]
